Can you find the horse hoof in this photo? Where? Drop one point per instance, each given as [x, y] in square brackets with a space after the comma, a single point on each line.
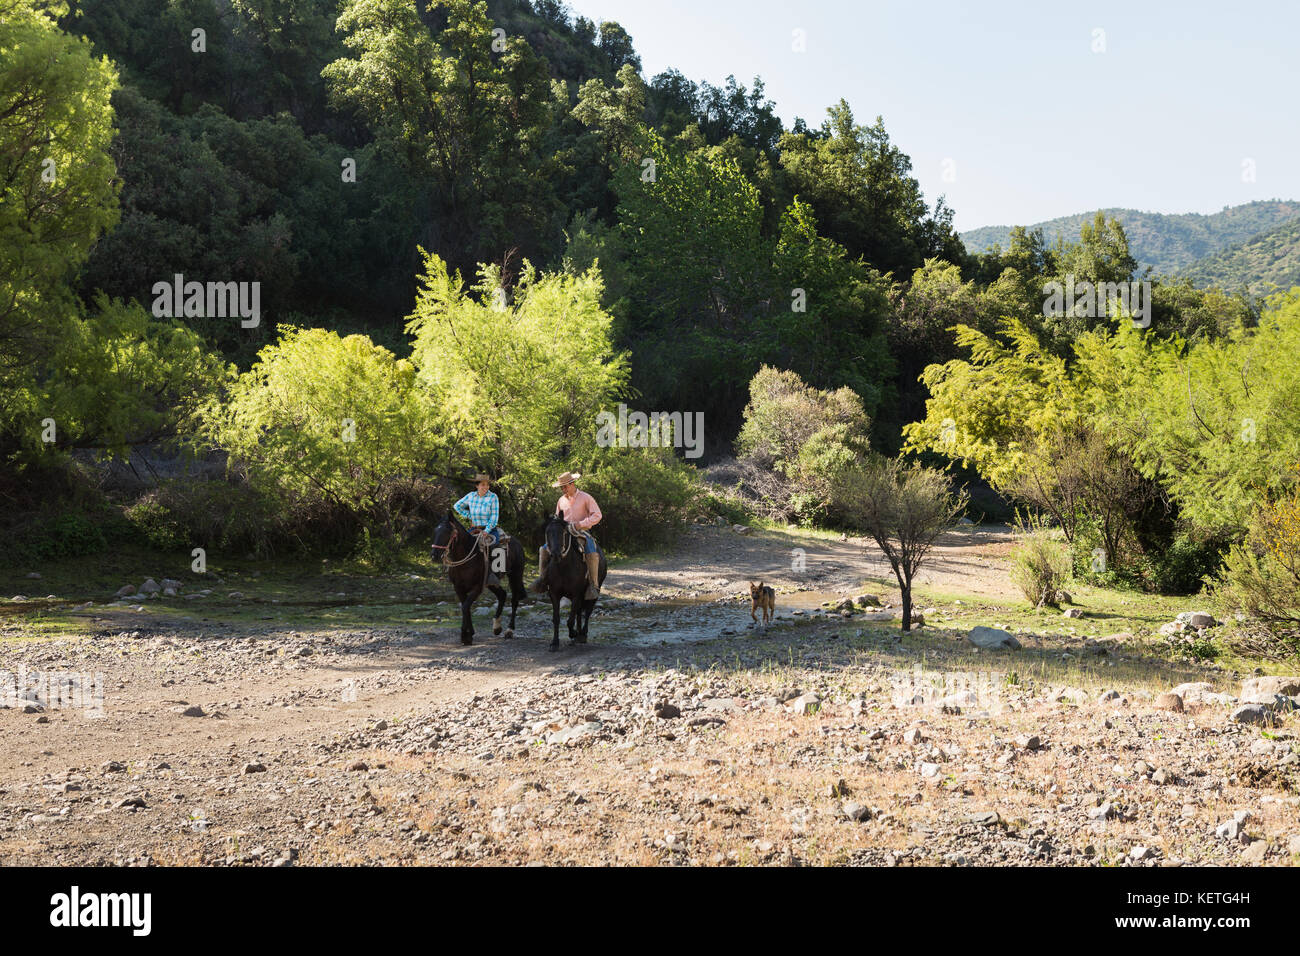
[467, 640]
[496, 632]
[510, 632]
[553, 647]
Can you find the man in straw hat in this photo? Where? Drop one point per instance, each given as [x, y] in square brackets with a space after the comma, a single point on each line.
[481, 509]
[581, 513]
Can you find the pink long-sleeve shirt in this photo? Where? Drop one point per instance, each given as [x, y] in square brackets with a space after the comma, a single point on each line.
[581, 510]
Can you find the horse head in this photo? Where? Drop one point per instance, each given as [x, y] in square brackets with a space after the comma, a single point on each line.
[448, 530]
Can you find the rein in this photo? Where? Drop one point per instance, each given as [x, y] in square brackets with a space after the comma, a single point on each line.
[446, 552]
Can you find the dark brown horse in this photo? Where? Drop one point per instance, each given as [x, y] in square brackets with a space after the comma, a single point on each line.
[466, 568]
[566, 576]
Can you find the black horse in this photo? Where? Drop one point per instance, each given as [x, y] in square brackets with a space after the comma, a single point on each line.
[566, 576]
[468, 573]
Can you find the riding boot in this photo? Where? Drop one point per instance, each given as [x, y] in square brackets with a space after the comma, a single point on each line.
[593, 576]
[540, 584]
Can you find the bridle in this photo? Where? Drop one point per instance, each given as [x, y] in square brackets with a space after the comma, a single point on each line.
[446, 551]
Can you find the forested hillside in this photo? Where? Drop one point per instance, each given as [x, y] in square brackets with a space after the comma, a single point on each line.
[1263, 264]
[1167, 243]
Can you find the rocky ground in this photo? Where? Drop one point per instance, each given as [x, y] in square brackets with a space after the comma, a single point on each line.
[821, 740]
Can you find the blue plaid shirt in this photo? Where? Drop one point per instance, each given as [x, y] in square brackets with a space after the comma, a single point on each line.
[482, 511]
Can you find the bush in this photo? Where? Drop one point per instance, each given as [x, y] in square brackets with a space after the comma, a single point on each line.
[1040, 567]
[1183, 566]
[66, 535]
[645, 497]
[1261, 576]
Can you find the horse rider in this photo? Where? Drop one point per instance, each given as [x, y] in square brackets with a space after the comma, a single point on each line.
[481, 509]
[581, 512]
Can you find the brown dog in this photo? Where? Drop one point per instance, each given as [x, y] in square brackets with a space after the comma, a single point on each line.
[762, 596]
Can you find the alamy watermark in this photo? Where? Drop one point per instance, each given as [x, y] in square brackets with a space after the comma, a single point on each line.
[181, 299]
[53, 689]
[1094, 299]
[634, 429]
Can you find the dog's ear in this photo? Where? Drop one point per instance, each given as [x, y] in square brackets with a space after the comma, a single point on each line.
[761, 585]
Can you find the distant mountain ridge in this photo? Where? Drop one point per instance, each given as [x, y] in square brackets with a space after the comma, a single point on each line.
[1261, 265]
[1169, 243]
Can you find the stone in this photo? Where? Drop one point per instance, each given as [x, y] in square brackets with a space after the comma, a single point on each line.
[149, 587]
[1140, 853]
[987, 818]
[867, 600]
[1262, 690]
[1064, 597]
[1293, 845]
[1073, 612]
[194, 710]
[1161, 777]
[1255, 852]
[808, 703]
[1257, 714]
[358, 766]
[1028, 742]
[1231, 830]
[741, 529]
[1198, 619]
[254, 768]
[1108, 695]
[855, 811]
[1168, 701]
[991, 638]
[1103, 812]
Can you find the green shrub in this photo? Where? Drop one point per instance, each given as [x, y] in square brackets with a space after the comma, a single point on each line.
[1040, 566]
[646, 496]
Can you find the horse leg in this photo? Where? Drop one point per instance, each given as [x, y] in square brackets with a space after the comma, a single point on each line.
[501, 602]
[585, 619]
[517, 591]
[466, 621]
[575, 619]
[555, 620]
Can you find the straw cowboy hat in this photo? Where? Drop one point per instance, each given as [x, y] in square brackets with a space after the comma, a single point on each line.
[565, 478]
[482, 477]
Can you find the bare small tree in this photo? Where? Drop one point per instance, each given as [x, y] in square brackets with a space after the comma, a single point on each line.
[904, 508]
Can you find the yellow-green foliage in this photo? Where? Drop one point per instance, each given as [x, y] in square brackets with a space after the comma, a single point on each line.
[323, 417]
[518, 383]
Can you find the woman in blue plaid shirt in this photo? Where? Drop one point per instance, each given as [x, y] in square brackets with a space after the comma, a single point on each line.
[481, 510]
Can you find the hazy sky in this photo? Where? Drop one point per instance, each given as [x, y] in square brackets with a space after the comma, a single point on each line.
[1188, 103]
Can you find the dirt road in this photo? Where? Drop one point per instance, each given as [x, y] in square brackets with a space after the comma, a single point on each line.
[678, 736]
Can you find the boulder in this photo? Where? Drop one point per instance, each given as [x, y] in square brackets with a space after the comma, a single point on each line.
[149, 587]
[1170, 701]
[1262, 690]
[991, 638]
[1258, 714]
[1072, 612]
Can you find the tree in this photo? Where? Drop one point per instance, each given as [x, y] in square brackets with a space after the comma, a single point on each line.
[520, 380]
[860, 185]
[58, 189]
[904, 508]
[466, 121]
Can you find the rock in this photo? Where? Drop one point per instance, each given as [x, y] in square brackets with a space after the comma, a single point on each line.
[1140, 853]
[1070, 695]
[964, 521]
[125, 590]
[254, 768]
[855, 811]
[358, 766]
[1262, 690]
[34, 575]
[987, 818]
[1103, 812]
[1168, 701]
[1255, 852]
[990, 638]
[808, 703]
[913, 737]
[1232, 830]
[1120, 637]
[867, 600]
[1064, 597]
[741, 529]
[667, 711]
[929, 770]
[1293, 845]
[169, 592]
[235, 595]
[1197, 619]
[171, 583]
[130, 803]
[577, 732]
[194, 710]
[33, 708]
[1258, 714]
[1160, 777]
[1073, 612]
[149, 587]
[1028, 742]
[1108, 695]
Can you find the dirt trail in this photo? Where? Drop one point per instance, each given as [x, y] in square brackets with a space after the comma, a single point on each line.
[322, 742]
